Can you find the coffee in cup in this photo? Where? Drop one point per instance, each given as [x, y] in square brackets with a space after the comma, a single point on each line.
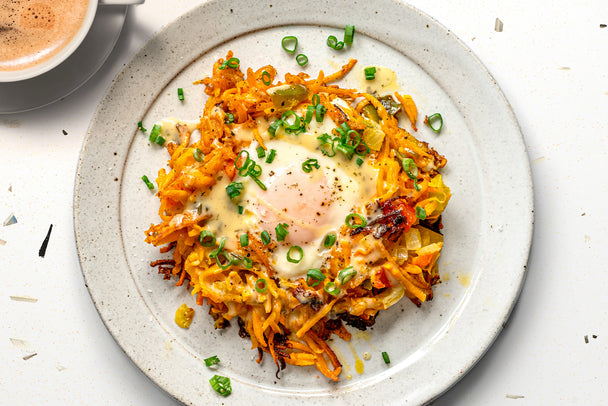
[34, 32]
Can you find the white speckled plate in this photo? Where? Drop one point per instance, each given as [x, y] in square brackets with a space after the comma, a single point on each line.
[488, 223]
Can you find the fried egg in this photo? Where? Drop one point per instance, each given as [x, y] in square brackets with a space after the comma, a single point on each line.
[311, 204]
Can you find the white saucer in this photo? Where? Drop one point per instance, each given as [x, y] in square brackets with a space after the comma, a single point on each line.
[73, 72]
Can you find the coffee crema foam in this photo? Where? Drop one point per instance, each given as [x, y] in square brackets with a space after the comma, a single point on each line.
[33, 31]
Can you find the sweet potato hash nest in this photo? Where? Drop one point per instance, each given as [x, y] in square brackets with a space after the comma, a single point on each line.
[387, 248]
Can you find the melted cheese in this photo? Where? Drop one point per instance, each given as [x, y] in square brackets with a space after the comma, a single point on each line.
[384, 82]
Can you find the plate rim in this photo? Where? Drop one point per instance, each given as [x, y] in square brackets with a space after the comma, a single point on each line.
[83, 177]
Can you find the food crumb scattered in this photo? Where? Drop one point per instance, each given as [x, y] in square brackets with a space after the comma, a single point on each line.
[498, 25]
[60, 367]
[10, 220]
[2, 242]
[539, 160]
[19, 343]
[602, 25]
[45, 243]
[64, 132]
[27, 299]
[24, 347]
[586, 339]
[594, 336]
[514, 396]
[26, 357]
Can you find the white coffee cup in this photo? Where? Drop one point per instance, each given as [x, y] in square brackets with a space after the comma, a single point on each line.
[67, 49]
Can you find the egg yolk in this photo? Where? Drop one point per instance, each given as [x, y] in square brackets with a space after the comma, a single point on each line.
[301, 200]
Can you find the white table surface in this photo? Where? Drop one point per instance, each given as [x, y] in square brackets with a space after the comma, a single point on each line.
[551, 61]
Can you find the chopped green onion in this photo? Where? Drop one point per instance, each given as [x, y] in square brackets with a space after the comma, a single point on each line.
[281, 231]
[298, 122]
[211, 361]
[225, 260]
[261, 152]
[255, 170]
[219, 249]
[320, 111]
[370, 73]
[221, 385]
[410, 168]
[155, 135]
[246, 162]
[206, 238]
[325, 138]
[362, 149]
[347, 141]
[272, 130]
[240, 209]
[247, 262]
[316, 99]
[236, 259]
[149, 184]
[271, 156]
[298, 257]
[310, 111]
[353, 141]
[231, 63]
[354, 224]
[155, 132]
[244, 239]
[330, 239]
[349, 33]
[420, 213]
[228, 261]
[229, 118]
[343, 128]
[333, 43]
[180, 94]
[258, 182]
[265, 237]
[266, 78]
[435, 118]
[234, 189]
[385, 357]
[309, 164]
[332, 289]
[301, 59]
[417, 186]
[140, 127]
[327, 145]
[248, 168]
[346, 275]
[289, 44]
[359, 161]
[198, 155]
[347, 150]
[314, 276]
[261, 285]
